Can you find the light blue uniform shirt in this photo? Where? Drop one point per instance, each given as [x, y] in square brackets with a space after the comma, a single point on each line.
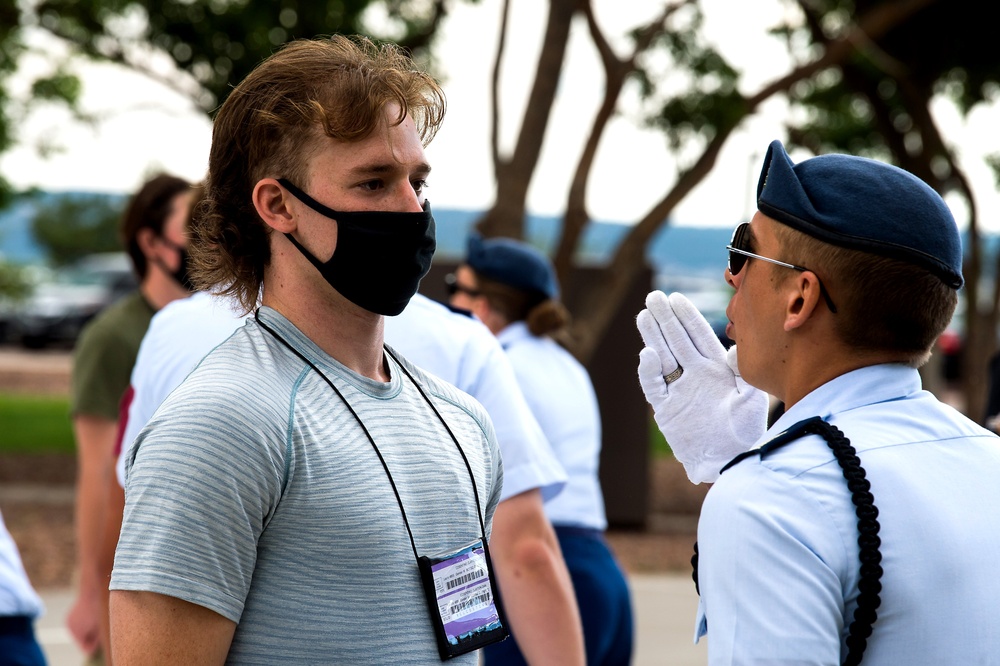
[561, 396]
[778, 565]
[17, 597]
[462, 351]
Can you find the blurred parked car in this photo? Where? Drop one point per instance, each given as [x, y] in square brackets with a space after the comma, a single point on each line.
[60, 305]
[709, 294]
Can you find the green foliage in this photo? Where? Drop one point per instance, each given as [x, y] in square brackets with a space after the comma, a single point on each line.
[708, 100]
[993, 162]
[60, 86]
[838, 118]
[948, 45]
[862, 109]
[216, 43]
[14, 283]
[658, 446]
[212, 43]
[699, 113]
[10, 50]
[72, 227]
[35, 424]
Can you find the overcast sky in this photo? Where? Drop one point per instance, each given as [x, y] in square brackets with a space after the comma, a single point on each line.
[147, 127]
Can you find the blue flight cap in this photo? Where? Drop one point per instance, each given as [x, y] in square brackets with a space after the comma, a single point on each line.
[513, 263]
[865, 205]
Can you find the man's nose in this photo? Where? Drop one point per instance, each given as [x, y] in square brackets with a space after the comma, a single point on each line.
[407, 199]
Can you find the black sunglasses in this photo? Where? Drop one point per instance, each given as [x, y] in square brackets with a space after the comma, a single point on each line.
[453, 287]
[739, 252]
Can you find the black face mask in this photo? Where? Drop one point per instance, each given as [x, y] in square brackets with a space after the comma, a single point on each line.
[380, 256]
[181, 275]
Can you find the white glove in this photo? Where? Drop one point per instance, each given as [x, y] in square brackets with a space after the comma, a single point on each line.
[708, 414]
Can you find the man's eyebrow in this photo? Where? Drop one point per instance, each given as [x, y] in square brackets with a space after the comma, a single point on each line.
[382, 168]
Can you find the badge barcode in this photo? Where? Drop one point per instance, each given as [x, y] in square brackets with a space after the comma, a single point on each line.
[462, 580]
[470, 602]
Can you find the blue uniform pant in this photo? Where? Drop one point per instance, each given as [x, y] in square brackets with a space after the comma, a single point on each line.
[602, 596]
[18, 646]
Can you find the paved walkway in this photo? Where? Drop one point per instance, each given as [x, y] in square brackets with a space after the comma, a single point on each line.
[664, 605]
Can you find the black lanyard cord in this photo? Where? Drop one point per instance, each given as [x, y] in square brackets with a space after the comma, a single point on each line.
[361, 423]
[475, 489]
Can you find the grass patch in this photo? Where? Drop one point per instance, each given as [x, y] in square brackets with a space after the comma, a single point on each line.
[35, 424]
[658, 446]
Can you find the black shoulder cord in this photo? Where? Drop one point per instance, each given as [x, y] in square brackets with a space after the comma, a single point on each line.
[475, 489]
[392, 482]
[870, 580]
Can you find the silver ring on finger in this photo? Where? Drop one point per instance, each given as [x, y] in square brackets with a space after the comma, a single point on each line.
[674, 376]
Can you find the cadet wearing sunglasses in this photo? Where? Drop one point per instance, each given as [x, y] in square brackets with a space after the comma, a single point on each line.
[854, 529]
[739, 251]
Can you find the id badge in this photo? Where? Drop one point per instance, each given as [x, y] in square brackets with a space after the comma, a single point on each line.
[462, 599]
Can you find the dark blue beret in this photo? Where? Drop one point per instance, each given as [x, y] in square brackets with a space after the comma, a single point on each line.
[513, 263]
[865, 205]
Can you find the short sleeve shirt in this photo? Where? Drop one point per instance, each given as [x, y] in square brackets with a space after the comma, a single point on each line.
[105, 354]
[255, 492]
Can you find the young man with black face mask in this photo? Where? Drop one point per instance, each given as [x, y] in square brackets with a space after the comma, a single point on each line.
[153, 233]
[306, 493]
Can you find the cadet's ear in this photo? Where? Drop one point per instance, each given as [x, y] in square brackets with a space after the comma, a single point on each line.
[803, 298]
[272, 204]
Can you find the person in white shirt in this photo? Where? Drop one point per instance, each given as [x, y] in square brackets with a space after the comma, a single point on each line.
[512, 288]
[20, 606]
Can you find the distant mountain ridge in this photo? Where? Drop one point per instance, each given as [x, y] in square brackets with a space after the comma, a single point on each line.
[673, 251]
[703, 248]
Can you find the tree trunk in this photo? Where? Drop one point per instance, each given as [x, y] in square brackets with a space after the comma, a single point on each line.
[506, 217]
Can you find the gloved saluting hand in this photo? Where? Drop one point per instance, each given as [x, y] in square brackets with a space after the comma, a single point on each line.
[702, 406]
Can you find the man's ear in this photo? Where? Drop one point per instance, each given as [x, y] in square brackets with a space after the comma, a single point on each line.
[145, 238]
[271, 202]
[803, 297]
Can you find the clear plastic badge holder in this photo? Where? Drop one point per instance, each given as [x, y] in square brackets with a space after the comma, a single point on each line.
[462, 598]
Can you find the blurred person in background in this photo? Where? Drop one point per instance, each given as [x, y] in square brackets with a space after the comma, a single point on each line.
[992, 417]
[153, 234]
[512, 288]
[20, 606]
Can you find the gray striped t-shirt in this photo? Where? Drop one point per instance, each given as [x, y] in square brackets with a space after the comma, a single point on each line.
[254, 492]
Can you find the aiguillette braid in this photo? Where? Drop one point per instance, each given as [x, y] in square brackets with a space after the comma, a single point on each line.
[869, 583]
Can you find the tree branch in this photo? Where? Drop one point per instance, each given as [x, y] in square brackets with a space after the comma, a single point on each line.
[422, 39]
[616, 71]
[506, 216]
[119, 56]
[495, 92]
[594, 315]
[873, 25]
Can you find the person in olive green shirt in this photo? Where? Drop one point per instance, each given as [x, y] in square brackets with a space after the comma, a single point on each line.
[153, 232]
